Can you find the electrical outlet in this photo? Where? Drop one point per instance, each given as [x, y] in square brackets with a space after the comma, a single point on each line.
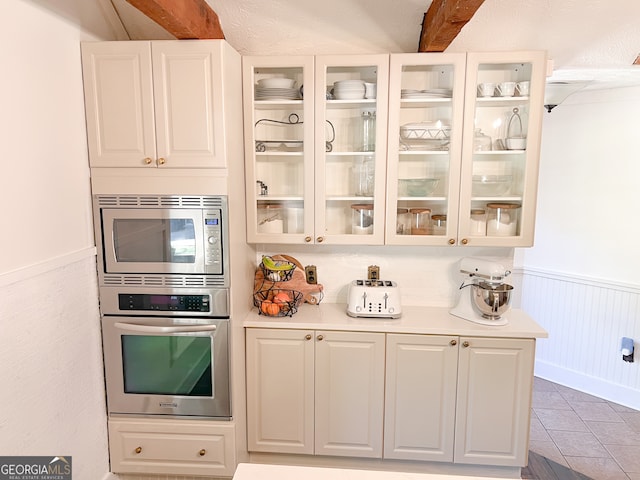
[373, 272]
[311, 274]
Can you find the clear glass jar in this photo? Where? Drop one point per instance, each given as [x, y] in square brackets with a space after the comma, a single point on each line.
[420, 221]
[363, 177]
[362, 219]
[439, 224]
[502, 219]
[478, 222]
[368, 131]
[481, 142]
[403, 222]
[270, 218]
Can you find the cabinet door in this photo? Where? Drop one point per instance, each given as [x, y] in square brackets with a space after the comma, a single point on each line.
[280, 390]
[278, 125]
[351, 95]
[426, 101]
[349, 393]
[495, 378]
[118, 93]
[501, 148]
[420, 397]
[188, 92]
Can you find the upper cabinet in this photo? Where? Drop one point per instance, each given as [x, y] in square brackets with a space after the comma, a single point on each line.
[155, 104]
[464, 144]
[315, 148]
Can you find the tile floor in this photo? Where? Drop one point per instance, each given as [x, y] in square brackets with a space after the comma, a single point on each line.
[590, 435]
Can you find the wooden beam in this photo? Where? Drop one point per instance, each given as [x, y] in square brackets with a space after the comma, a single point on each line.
[443, 21]
[184, 19]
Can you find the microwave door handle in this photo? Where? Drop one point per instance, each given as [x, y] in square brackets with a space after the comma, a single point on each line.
[133, 327]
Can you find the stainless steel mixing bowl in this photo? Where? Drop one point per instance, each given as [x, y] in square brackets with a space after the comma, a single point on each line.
[491, 300]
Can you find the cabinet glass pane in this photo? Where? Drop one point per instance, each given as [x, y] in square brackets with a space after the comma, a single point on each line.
[499, 148]
[351, 129]
[425, 126]
[279, 119]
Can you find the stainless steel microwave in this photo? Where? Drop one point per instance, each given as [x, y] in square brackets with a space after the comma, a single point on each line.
[162, 240]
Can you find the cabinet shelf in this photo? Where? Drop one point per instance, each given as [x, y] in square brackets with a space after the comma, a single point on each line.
[421, 102]
[440, 153]
[422, 199]
[280, 198]
[501, 101]
[365, 102]
[277, 153]
[277, 104]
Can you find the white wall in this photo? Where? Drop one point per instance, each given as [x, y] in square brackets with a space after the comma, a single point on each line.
[50, 352]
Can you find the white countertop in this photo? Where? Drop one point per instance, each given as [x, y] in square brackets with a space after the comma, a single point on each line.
[255, 471]
[420, 320]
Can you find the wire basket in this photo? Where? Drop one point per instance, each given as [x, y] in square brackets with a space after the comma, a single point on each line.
[276, 302]
[278, 270]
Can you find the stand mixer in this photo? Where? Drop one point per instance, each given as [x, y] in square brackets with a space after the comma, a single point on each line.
[488, 298]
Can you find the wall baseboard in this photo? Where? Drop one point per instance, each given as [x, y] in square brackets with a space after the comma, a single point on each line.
[598, 387]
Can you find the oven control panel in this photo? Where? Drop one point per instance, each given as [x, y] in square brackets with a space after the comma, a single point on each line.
[155, 302]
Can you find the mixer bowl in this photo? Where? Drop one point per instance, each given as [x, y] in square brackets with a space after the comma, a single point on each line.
[491, 300]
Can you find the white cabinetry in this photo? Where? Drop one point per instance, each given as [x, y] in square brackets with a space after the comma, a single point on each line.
[315, 392]
[463, 400]
[306, 159]
[155, 104]
[442, 129]
[180, 447]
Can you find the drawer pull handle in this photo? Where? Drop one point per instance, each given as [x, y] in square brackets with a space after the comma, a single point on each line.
[148, 161]
[307, 336]
[453, 343]
[320, 338]
[138, 450]
[202, 452]
[307, 239]
[161, 161]
[465, 344]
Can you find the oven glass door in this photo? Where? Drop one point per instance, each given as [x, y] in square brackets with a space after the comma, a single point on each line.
[153, 241]
[167, 366]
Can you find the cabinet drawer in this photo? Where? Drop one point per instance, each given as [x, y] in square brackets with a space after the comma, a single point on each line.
[180, 447]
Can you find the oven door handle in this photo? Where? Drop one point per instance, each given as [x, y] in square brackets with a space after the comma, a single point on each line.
[134, 327]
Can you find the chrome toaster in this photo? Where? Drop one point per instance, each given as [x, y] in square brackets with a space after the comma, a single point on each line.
[374, 299]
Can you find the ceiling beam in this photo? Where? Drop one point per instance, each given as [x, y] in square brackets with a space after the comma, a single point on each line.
[443, 21]
[184, 19]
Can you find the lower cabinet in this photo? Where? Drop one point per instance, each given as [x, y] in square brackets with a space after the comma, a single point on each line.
[315, 392]
[463, 400]
[186, 447]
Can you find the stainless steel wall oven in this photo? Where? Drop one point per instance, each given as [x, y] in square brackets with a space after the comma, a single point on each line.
[163, 269]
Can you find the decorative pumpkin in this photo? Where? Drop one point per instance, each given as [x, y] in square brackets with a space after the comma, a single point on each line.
[282, 299]
[270, 308]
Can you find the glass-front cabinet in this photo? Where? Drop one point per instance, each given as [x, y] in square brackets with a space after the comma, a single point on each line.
[315, 146]
[464, 136]
[426, 104]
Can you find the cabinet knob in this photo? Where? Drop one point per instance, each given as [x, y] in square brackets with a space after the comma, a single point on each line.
[161, 161]
[202, 452]
[320, 338]
[307, 239]
[307, 336]
[320, 239]
[148, 161]
[452, 241]
[464, 241]
[453, 343]
[138, 450]
[465, 344]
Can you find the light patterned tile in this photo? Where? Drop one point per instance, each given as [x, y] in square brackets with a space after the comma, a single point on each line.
[621, 408]
[561, 420]
[633, 476]
[548, 450]
[542, 385]
[547, 399]
[578, 444]
[571, 395]
[628, 457]
[632, 419]
[596, 412]
[537, 431]
[597, 468]
[614, 433]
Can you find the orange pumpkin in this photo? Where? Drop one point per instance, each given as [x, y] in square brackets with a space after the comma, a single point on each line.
[269, 308]
[282, 299]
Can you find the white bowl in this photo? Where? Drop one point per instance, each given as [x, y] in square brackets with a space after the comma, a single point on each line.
[276, 82]
[488, 185]
[516, 143]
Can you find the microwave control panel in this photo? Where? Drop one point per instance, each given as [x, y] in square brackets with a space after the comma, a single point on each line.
[213, 240]
[155, 302]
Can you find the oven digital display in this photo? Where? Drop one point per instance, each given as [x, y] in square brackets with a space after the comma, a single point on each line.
[211, 221]
[179, 303]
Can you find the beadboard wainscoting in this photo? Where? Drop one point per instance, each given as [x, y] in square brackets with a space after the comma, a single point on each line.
[586, 319]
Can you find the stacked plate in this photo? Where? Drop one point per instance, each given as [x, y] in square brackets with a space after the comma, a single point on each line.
[348, 90]
[277, 89]
[422, 94]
